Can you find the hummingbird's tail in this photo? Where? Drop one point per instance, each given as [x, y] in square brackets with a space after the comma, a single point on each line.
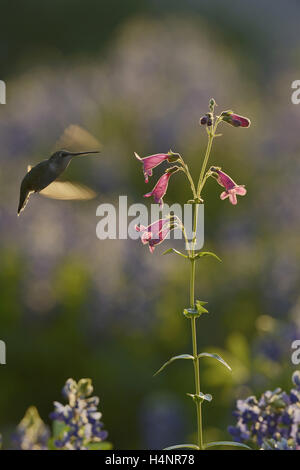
[24, 196]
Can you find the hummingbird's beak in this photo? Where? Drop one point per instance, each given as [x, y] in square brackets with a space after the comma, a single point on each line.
[74, 154]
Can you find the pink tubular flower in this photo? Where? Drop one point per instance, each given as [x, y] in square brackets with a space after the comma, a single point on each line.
[161, 186]
[155, 233]
[151, 162]
[235, 120]
[231, 188]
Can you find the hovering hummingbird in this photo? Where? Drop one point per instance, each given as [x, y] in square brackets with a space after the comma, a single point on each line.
[44, 174]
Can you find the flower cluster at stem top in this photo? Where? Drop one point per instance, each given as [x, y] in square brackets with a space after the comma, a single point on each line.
[149, 163]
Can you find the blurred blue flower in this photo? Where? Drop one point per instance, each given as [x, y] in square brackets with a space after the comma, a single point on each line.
[80, 426]
[275, 345]
[272, 421]
[281, 444]
[31, 433]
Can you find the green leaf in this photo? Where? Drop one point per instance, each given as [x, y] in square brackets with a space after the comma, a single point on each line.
[182, 446]
[172, 250]
[215, 356]
[182, 356]
[197, 311]
[207, 253]
[50, 444]
[201, 397]
[200, 308]
[227, 444]
[191, 313]
[58, 428]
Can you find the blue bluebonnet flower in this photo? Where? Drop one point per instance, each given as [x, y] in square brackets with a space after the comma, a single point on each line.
[80, 418]
[281, 444]
[31, 433]
[275, 415]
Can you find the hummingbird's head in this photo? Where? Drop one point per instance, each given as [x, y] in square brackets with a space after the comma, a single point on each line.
[66, 155]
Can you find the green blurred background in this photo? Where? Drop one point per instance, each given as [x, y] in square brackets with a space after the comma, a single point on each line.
[138, 75]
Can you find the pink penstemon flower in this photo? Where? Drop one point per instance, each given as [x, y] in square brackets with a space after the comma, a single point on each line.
[235, 119]
[161, 186]
[156, 232]
[231, 188]
[152, 161]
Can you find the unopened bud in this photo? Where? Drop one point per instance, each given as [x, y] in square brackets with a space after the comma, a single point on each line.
[212, 105]
[235, 120]
[203, 120]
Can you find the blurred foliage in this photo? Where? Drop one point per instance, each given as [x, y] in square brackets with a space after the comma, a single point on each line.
[139, 76]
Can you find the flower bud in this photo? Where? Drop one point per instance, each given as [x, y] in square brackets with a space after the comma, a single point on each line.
[206, 119]
[235, 120]
[212, 104]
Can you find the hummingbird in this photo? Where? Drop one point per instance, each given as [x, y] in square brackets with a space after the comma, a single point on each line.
[39, 177]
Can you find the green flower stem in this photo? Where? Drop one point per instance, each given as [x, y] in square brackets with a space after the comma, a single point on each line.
[195, 224]
[194, 332]
[192, 283]
[207, 175]
[186, 170]
[202, 179]
[211, 136]
[196, 359]
[197, 382]
[187, 244]
[207, 153]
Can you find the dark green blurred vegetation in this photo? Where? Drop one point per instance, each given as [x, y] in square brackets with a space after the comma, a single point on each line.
[138, 75]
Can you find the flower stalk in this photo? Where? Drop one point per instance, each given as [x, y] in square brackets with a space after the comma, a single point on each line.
[203, 177]
[195, 356]
[155, 234]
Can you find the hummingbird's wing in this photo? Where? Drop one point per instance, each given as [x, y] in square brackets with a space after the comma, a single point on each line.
[68, 191]
[76, 139]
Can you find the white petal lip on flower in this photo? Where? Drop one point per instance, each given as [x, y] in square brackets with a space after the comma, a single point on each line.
[231, 188]
[231, 193]
[156, 232]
